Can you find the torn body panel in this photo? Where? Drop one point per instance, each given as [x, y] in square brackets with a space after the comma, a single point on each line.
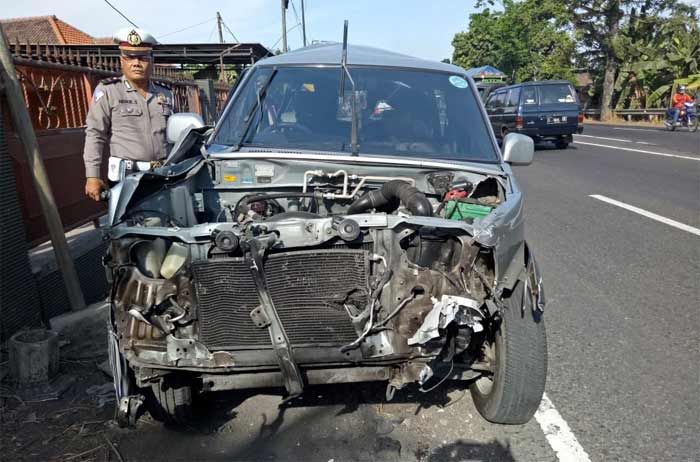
[273, 256]
[425, 258]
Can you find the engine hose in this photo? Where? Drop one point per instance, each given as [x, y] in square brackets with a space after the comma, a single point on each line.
[393, 191]
[243, 205]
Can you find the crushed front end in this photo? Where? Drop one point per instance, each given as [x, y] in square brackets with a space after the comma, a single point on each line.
[316, 271]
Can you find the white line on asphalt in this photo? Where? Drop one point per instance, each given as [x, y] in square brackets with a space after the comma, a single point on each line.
[616, 139]
[653, 216]
[603, 138]
[653, 153]
[558, 433]
[636, 129]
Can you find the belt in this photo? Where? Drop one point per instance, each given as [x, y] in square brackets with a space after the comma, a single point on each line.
[141, 165]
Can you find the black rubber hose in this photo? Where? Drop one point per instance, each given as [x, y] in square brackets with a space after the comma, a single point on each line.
[242, 206]
[393, 191]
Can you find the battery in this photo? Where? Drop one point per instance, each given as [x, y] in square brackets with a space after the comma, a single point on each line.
[462, 210]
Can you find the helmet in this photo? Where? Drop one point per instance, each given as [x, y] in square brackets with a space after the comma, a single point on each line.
[681, 88]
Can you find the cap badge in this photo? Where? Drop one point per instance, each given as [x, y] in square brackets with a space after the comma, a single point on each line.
[134, 39]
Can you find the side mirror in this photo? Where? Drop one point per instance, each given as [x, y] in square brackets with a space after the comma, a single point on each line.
[179, 124]
[518, 149]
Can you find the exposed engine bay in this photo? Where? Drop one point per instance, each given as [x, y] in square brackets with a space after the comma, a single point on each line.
[250, 271]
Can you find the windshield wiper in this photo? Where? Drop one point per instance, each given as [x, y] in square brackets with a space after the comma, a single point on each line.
[354, 147]
[260, 95]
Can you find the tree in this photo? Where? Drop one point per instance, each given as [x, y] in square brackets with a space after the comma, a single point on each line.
[611, 32]
[656, 51]
[527, 40]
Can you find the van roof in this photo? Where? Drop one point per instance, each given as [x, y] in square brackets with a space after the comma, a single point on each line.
[533, 84]
[330, 54]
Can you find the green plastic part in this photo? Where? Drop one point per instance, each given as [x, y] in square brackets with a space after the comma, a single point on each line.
[459, 210]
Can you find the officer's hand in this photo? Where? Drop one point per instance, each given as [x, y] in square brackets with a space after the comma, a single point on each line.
[93, 188]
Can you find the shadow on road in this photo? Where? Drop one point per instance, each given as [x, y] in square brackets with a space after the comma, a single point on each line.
[340, 422]
[468, 450]
[213, 410]
[547, 146]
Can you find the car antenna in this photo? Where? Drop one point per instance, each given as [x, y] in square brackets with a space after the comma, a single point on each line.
[354, 147]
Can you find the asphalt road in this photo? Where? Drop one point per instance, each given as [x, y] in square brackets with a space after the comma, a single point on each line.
[624, 289]
[623, 328]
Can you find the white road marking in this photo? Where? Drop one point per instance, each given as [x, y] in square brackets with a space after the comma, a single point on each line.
[653, 216]
[653, 153]
[558, 434]
[637, 129]
[603, 138]
[616, 139]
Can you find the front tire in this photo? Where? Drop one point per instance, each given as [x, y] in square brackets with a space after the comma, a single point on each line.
[171, 401]
[561, 143]
[514, 391]
[693, 124]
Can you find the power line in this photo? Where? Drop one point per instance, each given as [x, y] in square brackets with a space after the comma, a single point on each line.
[213, 29]
[296, 16]
[229, 31]
[188, 27]
[120, 13]
[269, 49]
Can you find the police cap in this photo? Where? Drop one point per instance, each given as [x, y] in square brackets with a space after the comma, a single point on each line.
[134, 40]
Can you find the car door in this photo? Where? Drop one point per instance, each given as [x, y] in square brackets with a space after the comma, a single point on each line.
[490, 106]
[497, 100]
[529, 104]
[510, 109]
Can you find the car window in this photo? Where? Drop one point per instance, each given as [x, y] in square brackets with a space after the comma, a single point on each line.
[513, 99]
[557, 93]
[498, 100]
[410, 113]
[529, 95]
[491, 102]
[244, 100]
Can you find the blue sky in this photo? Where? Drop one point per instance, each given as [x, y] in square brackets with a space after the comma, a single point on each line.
[419, 28]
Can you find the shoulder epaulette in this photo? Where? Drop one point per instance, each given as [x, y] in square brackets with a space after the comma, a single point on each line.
[110, 80]
[163, 84]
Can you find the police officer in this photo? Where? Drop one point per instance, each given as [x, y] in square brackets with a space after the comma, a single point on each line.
[128, 114]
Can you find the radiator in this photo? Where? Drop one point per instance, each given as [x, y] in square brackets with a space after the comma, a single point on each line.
[307, 288]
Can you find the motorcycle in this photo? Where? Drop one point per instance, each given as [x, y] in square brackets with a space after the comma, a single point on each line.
[686, 118]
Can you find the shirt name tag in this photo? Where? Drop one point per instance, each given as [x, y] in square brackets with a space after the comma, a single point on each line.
[127, 101]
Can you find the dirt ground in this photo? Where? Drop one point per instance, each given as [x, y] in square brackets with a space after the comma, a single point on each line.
[328, 423]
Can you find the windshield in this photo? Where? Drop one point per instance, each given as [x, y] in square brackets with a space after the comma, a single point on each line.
[559, 93]
[409, 113]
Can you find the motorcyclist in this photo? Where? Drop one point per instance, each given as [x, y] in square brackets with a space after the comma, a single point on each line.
[678, 104]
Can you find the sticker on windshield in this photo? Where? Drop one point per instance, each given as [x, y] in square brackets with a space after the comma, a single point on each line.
[458, 81]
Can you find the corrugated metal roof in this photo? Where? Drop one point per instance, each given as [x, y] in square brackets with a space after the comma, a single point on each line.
[330, 53]
[489, 70]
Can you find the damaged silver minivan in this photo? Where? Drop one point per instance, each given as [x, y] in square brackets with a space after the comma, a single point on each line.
[349, 218]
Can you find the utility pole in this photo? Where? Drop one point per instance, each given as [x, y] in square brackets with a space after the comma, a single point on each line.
[285, 4]
[23, 125]
[221, 40]
[303, 22]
